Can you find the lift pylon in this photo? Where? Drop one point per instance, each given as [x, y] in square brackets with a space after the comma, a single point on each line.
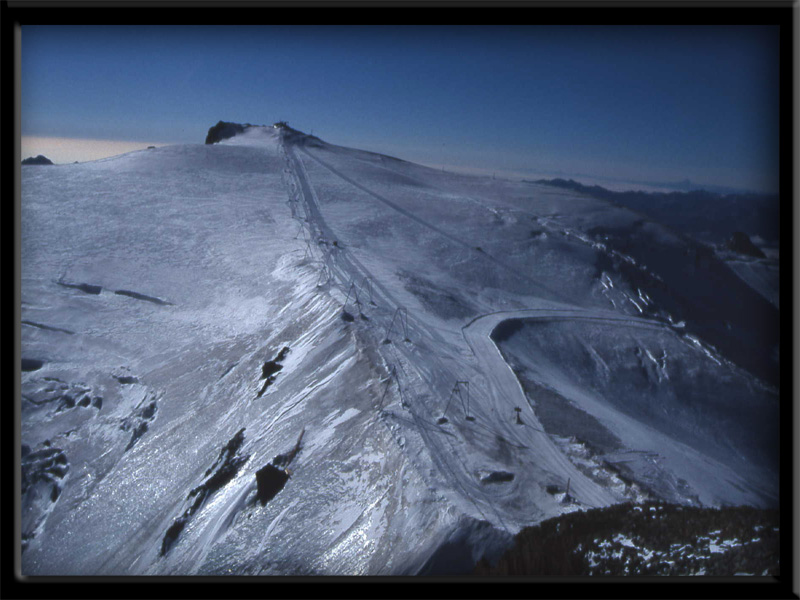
[392, 377]
[352, 290]
[460, 389]
[366, 283]
[401, 317]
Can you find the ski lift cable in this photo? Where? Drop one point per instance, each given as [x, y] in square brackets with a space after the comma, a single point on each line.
[404, 324]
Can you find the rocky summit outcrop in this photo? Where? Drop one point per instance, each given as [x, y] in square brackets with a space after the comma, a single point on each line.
[39, 160]
[740, 242]
[223, 130]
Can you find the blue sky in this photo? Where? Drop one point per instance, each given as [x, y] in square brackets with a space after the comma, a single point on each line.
[637, 103]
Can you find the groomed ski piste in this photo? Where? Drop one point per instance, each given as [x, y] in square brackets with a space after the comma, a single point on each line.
[433, 361]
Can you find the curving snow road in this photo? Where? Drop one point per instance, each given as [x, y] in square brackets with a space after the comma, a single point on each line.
[496, 386]
[505, 388]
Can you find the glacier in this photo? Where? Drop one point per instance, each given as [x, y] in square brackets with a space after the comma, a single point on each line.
[428, 360]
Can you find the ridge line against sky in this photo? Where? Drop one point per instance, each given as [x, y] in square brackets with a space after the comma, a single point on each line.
[636, 103]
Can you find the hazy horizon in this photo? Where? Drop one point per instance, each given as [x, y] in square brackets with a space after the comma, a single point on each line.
[72, 150]
[635, 103]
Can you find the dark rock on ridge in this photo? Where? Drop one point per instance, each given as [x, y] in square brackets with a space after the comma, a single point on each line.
[269, 481]
[222, 131]
[84, 287]
[31, 364]
[270, 370]
[39, 160]
[217, 475]
[272, 477]
[740, 242]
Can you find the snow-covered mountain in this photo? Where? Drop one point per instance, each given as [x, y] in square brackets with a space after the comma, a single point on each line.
[273, 355]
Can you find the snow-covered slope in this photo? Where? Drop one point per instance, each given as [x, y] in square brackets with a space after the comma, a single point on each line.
[272, 355]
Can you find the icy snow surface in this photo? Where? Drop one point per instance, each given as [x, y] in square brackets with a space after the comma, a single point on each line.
[157, 284]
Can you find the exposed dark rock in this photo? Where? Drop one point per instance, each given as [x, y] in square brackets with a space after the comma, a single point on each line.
[65, 396]
[740, 242]
[47, 327]
[139, 422]
[42, 474]
[270, 480]
[228, 451]
[49, 464]
[84, 287]
[223, 130]
[283, 460]
[273, 366]
[139, 296]
[172, 534]
[31, 364]
[223, 470]
[225, 467]
[689, 282]
[149, 411]
[126, 379]
[66, 403]
[39, 160]
[270, 370]
[139, 431]
[497, 477]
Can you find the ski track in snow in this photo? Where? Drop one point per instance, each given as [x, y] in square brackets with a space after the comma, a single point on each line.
[446, 458]
[515, 271]
[504, 389]
[458, 475]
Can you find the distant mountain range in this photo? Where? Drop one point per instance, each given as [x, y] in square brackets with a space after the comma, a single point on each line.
[705, 215]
